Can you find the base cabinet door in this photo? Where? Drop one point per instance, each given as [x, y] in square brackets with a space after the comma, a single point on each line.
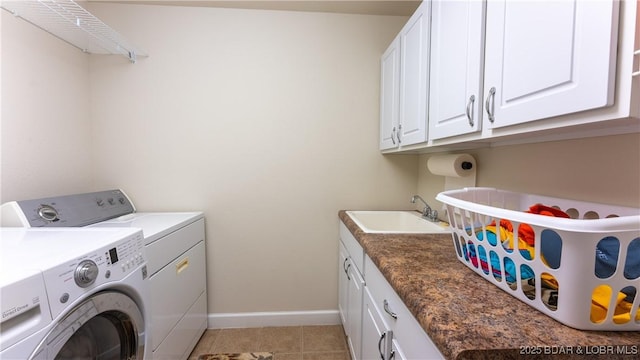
[354, 322]
[343, 284]
[412, 342]
[375, 333]
[351, 289]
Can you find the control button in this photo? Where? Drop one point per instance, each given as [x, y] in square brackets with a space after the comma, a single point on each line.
[110, 200]
[121, 200]
[107, 274]
[48, 213]
[100, 202]
[64, 298]
[86, 273]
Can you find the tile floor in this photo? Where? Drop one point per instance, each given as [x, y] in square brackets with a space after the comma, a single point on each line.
[287, 343]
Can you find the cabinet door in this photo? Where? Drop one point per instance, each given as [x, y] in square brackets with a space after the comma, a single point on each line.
[416, 344]
[548, 58]
[354, 322]
[343, 284]
[373, 345]
[414, 77]
[389, 95]
[457, 54]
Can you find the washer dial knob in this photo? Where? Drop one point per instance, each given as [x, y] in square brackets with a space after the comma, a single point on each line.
[48, 213]
[86, 273]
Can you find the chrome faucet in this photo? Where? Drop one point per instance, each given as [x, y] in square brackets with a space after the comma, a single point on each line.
[427, 212]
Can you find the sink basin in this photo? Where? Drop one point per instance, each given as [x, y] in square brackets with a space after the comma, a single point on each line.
[396, 222]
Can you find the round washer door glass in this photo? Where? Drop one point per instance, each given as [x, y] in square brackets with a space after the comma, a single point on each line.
[109, 326]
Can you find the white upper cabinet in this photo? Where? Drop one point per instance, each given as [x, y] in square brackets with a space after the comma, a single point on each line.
[404, 84]
[504, 72]
[457, 50]
[414, 77]
[548, 58]
[389, 95]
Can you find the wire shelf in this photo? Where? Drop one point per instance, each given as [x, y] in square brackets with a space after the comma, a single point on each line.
[70, 22]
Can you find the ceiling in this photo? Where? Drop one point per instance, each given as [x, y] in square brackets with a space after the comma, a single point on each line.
[366, 7]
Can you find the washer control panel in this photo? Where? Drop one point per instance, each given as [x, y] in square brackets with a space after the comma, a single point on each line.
[69, 281]
[68, 211]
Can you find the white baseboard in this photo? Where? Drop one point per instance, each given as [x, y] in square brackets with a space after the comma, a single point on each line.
[279, 318]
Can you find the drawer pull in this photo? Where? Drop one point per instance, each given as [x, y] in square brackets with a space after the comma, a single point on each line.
[388, 311]
[182, 265]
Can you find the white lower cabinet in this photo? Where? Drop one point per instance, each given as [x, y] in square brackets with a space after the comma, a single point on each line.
[377, 323]
[377, 338]
[354, 324]
[351, 290]
[407, 336]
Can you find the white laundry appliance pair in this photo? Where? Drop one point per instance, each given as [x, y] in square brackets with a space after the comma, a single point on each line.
[175, 254]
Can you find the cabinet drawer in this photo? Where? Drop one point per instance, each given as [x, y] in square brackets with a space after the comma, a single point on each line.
[353, 247]
[415, 343]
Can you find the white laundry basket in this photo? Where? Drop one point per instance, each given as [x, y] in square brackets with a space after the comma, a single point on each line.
[593, 257]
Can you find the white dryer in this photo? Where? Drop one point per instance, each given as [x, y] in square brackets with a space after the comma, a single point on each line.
[175, 247]
[73, 293]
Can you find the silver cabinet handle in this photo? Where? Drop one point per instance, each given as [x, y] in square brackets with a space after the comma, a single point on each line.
[387, 310]
[398, 134]
[347, 271]
[388, 345]
[491, 98]
[470, 108]
[344, 266]
[380, 345]
[393, 135]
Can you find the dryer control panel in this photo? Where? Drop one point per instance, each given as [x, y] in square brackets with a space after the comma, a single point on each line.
[67, 211]
[68, 282]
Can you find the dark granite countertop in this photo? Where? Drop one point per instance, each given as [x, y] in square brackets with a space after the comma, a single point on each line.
[468, 317]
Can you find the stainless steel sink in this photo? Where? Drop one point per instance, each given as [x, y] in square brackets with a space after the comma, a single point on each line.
[396, 222]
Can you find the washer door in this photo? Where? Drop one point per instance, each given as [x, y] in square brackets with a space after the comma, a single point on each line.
[106, 326]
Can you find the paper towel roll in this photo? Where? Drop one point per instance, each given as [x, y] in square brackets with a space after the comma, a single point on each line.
[456, 165]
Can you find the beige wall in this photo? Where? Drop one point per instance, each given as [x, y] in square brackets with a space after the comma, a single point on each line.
[600, 169]
[45, 128]
[265, 120]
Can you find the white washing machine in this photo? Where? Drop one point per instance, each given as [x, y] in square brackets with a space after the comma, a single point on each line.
[73, 293]
[175, 247]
